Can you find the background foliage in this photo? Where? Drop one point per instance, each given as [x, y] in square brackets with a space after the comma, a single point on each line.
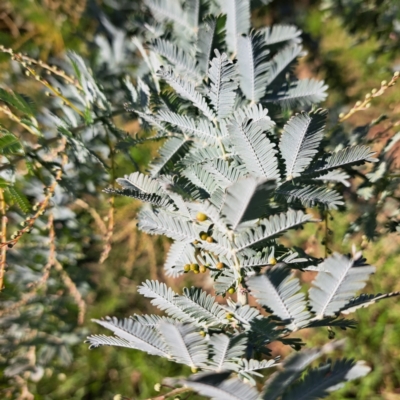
[352, 66]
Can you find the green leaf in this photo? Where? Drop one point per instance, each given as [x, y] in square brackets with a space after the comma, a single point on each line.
[17, 101]
[9, 143]
[18, 198]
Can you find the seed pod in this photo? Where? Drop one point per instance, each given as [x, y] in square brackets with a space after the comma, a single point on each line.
[219, 265]
[201, 217]
[203, 236]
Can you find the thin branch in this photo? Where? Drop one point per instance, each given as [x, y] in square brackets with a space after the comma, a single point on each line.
[3, 252]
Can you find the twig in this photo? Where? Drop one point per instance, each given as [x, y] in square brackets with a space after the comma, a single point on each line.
[3, 252]
[171, 393]
[42, 281]
[366, 103]
[100, 223]
[41, 207]
[73, 290]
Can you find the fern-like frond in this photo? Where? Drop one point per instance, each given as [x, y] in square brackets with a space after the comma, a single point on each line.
[170, 152]
[202, 178]
[282, 62]
[224, 172]
[309, 196]
[9, 143]
[202, 129]
[294, 366]
[251, 367]
[365, 300]
[177, 57]
[336, 283]
[238, 21]
[140, 182]
[154, 199]
[277, 34]
[202, 306]
[187, 91]
[321, 381]
[279, 292]
[104, 340]
[140, 337]
[210, 37]
[223, 84]
[333, 176]
[350, 156]
[270, 228]
[304, 92]
[255, 149]
[224, 281]
[185, 345]
[217, 386]
[300, 140]
[226, 350]
[253, 65]
[199, 155]
[17, 101]
[168, 224]
[257, 114]
[179, 254]
[170, 10]
[245, 199]
[163, 298]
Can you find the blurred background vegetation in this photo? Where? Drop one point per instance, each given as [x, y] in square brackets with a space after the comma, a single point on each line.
[352, 44]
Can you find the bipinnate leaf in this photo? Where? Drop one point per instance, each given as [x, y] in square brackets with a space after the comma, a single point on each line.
[293, 368]
[300, 141]
[211, 36]
[279, 292]
[238, 21]
[223, 84]
[169, 224]
[336, 284]
[321, 381]
[302, 93]
[245, 200]
[365, 300]
[139, 337]
[270, 228]
[255, 149]
[187, 91]
[185, 345]
[217, 386]
[278, 34]
[253, 65]
[226, 350]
